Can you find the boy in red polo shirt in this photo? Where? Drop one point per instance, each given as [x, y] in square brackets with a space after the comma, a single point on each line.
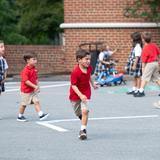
[80, 90]
[30, 88]
[150, 65]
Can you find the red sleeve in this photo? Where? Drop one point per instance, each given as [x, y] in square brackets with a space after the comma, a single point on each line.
[25, 75]
[74, 78]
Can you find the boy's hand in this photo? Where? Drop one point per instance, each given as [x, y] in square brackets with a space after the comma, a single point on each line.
[95, 86]
[37, 89]
[83, 98]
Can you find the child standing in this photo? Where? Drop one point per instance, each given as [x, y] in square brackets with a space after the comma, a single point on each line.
[150, 66]
[134, 66]
[30, 88]
[80, 90]
[3, 67]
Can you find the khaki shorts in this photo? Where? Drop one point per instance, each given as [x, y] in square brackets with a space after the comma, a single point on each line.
[78, 106]
[151, 72]
[29, 98]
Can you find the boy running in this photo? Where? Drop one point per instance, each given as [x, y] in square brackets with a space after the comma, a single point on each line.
[80, 90]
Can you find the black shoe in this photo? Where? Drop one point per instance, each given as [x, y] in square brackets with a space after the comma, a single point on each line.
[80, 117]
[130, 92]
[83, 134]
[134, 94]
[159, 95]
[43, 116]
[21, 119]
[140, 94]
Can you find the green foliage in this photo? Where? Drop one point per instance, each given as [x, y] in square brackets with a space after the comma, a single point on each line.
[148, 9]
[30, 21]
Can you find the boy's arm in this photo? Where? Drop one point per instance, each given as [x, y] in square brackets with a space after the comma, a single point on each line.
[93, 84]
[30, 84]
[77, 91]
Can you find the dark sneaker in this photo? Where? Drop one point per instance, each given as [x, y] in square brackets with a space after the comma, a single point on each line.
[140, 94]
[83, 134]
[43, 117]
[80, 117]
[130, 92]
[134, 94]
[21, 119]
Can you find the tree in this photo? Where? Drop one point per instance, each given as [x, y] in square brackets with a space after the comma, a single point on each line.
[40, 20]
[148, 9]
[8, 21]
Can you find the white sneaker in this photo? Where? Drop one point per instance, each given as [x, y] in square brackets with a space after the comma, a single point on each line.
[157, 105]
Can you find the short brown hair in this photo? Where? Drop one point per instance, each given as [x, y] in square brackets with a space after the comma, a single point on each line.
[81, 53]
[29, 55]
[147, 36]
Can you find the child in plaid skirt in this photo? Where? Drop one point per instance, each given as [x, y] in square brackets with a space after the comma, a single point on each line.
[134, 65]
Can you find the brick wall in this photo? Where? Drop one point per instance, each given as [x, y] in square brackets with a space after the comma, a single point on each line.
[100, 11]
[51, 59]
[97, 11]
[116, 38]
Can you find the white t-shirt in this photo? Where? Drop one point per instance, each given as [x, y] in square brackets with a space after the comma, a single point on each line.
[137, 50]
[102, 54]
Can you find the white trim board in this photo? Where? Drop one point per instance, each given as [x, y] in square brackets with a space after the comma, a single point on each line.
[109, 25]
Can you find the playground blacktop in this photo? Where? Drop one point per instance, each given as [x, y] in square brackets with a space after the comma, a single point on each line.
[121, 127]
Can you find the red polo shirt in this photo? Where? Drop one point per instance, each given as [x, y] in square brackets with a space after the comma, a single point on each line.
[28, 73]
[150, 53]
[82, 81]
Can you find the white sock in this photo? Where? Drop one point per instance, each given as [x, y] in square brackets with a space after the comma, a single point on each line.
[40, 113]
[134, 88]
[83, 127]
[20, 115]
[141, 90]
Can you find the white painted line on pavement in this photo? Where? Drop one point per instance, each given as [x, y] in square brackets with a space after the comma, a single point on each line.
[59, 129]
[49, 123]
[47, 86]
[104, 118]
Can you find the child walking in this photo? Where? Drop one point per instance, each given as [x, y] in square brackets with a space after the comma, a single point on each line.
[134, 66]
[3, 67]
[30, 88]
[150, 66]
[80, 90]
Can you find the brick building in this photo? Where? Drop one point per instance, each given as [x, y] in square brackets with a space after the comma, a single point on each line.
[86, 21]
[104, 21]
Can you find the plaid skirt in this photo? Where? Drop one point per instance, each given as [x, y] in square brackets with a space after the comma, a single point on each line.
[137, 72]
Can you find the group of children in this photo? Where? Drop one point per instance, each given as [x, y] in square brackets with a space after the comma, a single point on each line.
[80, 90]
[142, 62]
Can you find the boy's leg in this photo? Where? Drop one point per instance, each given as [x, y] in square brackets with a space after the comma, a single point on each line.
[84, 121]
[42, 116]
[21, 113]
